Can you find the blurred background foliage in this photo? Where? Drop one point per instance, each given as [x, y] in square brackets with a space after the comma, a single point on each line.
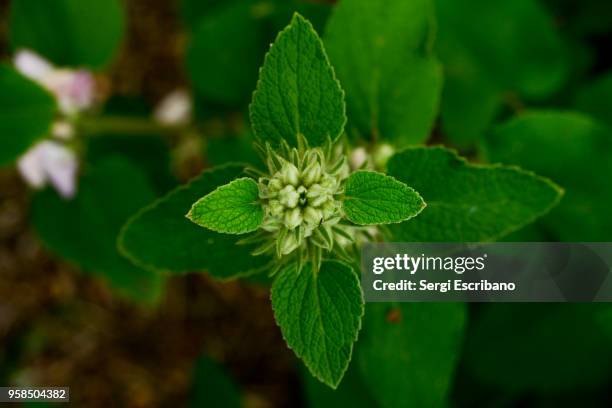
[524, 82]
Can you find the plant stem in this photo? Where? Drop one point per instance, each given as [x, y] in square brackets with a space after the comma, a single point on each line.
[127, 125]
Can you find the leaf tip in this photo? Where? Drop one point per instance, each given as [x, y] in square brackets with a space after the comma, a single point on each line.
[297, 17]
[190, 215]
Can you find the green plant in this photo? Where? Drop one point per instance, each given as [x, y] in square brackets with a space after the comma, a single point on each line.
[345, 131]
[307, 212]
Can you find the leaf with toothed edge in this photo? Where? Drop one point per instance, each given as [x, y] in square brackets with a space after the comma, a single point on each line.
[160, 237]
[320, 316]
[297, 92]
[373, 198]
[468, 202]
[230, 209]
[381, 51]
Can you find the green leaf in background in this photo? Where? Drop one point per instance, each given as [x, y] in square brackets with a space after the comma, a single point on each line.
[468, 202]
[229, 40]
[68, 32]
[232, 148]
[213, 386]
[150, 150]
[596, 99]
[351, 392]
[85, 229]
[408, 352]
[543, 347]
[494, 53]
[225, 51]
[297, 92]
[150, 153]
[380, 50]
[231, 209]
[193, 11]
[26, 113]
[160, 237]
[374, 198]
[574, 151]
[319, 316]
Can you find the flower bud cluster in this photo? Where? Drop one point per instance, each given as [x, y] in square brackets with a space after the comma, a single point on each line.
[301, 197]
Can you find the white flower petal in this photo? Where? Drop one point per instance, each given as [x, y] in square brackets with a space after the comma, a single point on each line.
[61, 166]
[74, 90]
[174, 109]
[32, 65]
[31, 167]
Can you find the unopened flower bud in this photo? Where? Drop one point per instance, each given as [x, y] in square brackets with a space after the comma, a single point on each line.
[288, 197]
[359, 156]
[313, 216]
[329, 209]
[311, 174]
[271, 224]
[293, 218]
[275, 185]
[315, 190]
[328, 183]
[290, 174]
[290, 242]
[276, 208]
[317, 195]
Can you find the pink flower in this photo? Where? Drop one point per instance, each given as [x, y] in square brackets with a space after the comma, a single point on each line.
[73, 89]
[50, 162]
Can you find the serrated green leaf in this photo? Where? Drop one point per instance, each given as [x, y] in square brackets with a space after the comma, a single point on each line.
[578, 151]
[351, 392]
[595, 98]
[374, 198]
[538, 347]
[512, 51]
[213, 386]
[392, 82]
[26, 113]
[160, 237]
[408, 352]
[320, 316]
[68, 32]
[467, 202]
[84, 230]
[230, 209]
[297, 92]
